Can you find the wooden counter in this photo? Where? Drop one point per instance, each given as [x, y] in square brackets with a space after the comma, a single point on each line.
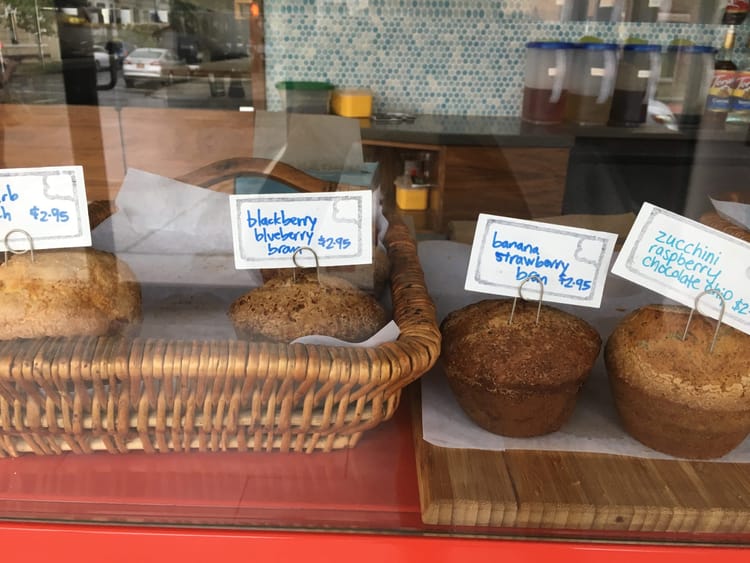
[106, 141]
[482, 165]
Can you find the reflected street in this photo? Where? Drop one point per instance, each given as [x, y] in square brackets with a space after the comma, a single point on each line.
[26, 87]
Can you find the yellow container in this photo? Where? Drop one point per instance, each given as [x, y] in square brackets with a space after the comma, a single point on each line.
[412, 197]
[352, 102]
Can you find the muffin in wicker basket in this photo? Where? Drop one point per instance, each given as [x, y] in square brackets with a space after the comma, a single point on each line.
[285, 308]
[518, 378]
[68, 292]
[680, 397]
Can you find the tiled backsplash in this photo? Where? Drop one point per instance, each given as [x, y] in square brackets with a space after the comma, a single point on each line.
[457, 57]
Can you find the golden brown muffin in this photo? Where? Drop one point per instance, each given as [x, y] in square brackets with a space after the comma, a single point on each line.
[283, 309]
[678, 397]
[715, 221]
[67, 292]
[517, 379]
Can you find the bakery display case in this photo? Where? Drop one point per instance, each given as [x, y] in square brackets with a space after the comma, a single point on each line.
[226, 329]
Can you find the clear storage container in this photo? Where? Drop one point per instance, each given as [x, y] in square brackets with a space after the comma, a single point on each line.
[648, 10]
[305, 96]
[591, 10]
[637, 75]
[609, 10]
[685, 79]
[591, 83]
[544, 92]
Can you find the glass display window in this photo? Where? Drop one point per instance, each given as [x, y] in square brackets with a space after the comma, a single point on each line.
[360, 274]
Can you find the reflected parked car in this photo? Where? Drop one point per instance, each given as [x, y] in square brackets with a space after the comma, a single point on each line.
[101, 57]
[152, 64]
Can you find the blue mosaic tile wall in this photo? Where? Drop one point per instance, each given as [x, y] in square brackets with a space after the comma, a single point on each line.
[457, 57]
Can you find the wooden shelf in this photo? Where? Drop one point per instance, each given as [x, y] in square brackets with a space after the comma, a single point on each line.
[596, 495]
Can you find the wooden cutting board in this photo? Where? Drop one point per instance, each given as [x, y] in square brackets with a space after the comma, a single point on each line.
[578, 491]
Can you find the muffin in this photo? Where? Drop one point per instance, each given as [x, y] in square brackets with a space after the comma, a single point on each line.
[283, 309]
[70, 292]
[517, 379]
[678, 397]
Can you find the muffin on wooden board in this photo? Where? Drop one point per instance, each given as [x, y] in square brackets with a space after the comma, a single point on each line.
[517, 379]
[678, 397]
[283, 309]
[68, 292]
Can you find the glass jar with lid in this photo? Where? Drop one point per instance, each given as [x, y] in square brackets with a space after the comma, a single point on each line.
[544, 92]
[685, 79]
[591, 83]
[637, 76]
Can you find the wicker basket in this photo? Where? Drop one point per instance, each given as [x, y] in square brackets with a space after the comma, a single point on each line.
[118, 394]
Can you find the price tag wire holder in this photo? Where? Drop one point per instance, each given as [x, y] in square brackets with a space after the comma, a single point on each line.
[537, 279]
[722, 307]
[297, 266]
[8, 248]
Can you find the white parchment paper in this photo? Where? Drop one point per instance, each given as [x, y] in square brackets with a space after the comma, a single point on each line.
[179, 245]
[309, 141]
[180, 237]
[594, 426]
[735, 212]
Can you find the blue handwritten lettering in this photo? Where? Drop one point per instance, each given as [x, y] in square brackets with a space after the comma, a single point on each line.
[514, 245]
[691, 264]
[685, 278]
[55, 215]
[569, 282]
[671, 257]
[5, 214]
[532, 262]
[281, 249]
[522, 275]
[282, 235]
[694, 249]
[280, 218]
[278, 229]
[741, 307]
[8, 194]
[713, 285]
[331, 243]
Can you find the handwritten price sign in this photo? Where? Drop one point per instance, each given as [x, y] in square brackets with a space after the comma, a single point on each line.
[268, 229]
[571, 263]
[680, 258]
[47, 204]
[53, 214]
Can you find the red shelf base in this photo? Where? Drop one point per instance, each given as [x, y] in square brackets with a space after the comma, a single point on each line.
[83, 544]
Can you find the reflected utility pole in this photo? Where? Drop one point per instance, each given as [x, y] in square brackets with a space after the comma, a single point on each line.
[38, 32]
